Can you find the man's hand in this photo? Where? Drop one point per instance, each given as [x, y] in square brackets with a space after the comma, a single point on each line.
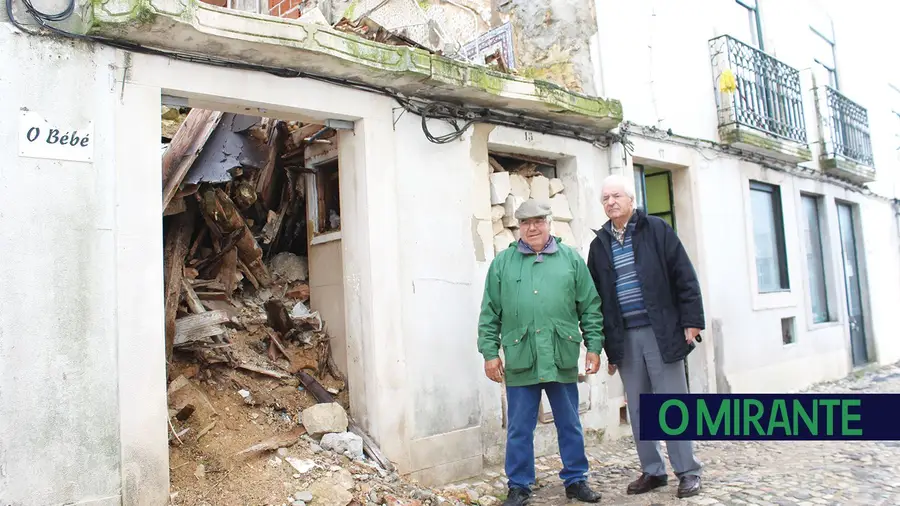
[690, 334]
[592, 363]
[611, 369]
[493, 369]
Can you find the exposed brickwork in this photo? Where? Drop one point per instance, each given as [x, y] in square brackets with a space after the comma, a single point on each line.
[285, 8]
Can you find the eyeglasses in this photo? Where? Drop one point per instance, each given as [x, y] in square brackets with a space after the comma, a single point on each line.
[536, 222]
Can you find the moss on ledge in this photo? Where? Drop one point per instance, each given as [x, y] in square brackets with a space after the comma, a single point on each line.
[187, 25]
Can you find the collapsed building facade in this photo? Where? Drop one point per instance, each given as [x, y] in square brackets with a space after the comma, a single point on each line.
[383, 165]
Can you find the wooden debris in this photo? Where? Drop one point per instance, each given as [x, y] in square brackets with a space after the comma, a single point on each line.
[173, 258]
[206, 429]
[280, 441]
[191, 298]
[278, 316]
[220, 210]
[185, 148]
[185, 412]
[265, 183]
[200, 326]
[264, 372]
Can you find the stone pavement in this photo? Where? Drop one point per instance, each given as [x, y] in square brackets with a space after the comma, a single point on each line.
[748, 472]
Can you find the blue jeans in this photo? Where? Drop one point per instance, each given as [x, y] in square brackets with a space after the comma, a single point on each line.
[522, 405]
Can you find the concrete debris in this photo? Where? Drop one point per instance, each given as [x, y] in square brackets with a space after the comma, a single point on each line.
[563, 230]
[501, 187]
[305, 496]
[512, 203]
[559, 207]
[290, 267]
[556, 186]
[503, 240]
[301, 466]
[333, 490]
[346, 443]
[325, 418]
[519, 186]
[540, 188]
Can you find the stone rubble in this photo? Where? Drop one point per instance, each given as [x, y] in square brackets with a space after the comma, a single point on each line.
[345, 443]
[325, 418]
[509, 190]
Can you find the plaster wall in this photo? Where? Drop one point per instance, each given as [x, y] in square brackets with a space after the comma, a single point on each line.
[326, 294]
[59, 328]
[654, 56]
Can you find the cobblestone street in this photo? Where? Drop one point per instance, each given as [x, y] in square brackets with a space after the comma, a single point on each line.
[806, 473]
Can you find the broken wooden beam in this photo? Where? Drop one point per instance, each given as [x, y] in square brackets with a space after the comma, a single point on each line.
[275, 442]
[176, 248]
[278, 317]
[191, 298]
[185, 148]
[265, 184]
[199, 326]
[264, 372]
[221, 211]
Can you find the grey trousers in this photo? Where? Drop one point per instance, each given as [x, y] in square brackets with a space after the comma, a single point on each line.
[643, 371]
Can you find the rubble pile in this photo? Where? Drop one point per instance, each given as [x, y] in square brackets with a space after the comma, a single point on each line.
[258, 410]
[514, 183]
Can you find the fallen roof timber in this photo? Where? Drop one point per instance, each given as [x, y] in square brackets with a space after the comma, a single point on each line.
[198, 28]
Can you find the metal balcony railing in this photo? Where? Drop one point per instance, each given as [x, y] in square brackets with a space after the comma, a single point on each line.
[767, 97]
[845, 128]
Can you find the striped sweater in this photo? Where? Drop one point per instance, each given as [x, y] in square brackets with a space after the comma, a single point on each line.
[628, 286]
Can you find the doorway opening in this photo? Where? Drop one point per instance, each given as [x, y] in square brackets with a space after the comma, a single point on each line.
[654, 193]
[253, 296]
[853, 285]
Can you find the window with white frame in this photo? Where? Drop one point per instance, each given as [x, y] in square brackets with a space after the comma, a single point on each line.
[824, 54]
[768, 237]
[815, 258]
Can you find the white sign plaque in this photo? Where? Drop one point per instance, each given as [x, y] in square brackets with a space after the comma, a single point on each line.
[38, 138]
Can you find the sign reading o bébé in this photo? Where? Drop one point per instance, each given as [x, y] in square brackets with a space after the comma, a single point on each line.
[38, 138]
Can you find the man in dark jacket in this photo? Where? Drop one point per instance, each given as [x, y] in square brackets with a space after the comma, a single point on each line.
[652, 316]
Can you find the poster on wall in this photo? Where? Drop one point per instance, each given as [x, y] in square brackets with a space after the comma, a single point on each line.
[40, 138]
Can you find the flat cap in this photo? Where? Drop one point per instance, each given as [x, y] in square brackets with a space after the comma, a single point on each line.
[533, 208]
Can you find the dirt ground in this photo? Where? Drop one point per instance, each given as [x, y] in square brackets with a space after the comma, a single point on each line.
[205, 468]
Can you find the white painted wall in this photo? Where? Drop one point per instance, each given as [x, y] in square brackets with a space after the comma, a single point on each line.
[69, 319]
[655, 58]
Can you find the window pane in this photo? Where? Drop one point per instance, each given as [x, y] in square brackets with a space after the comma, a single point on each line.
[815, 260]
[639, 186]
[743, 23]
[770, 276]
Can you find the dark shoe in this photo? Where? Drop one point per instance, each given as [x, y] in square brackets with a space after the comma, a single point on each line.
[582, 492]
[689, 486]
[517, 497]
[647, 483]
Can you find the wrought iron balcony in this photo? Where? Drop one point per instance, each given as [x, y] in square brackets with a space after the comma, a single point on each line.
[846, 144]
[758, 92]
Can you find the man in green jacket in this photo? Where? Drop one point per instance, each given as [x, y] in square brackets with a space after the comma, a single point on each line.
[536, 293]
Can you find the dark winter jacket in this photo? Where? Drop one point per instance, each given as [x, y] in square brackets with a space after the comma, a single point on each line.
[668, 281]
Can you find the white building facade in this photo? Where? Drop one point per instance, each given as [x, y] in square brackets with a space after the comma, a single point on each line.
[82, 363]
[784, 187]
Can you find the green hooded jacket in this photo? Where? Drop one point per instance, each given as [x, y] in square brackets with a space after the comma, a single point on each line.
[533, 309]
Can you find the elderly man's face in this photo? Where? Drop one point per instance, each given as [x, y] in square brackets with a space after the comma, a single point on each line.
[616, 202]
[535, 232]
